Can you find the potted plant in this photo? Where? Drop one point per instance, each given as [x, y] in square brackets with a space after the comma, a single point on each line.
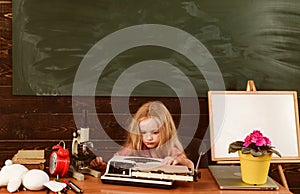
[255, 154]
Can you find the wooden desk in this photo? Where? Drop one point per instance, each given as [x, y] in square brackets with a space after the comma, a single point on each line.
[206, 184]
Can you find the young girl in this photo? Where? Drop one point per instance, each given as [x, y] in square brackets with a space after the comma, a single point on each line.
[152, 133]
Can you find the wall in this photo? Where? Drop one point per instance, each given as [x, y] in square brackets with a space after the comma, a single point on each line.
[39, 122]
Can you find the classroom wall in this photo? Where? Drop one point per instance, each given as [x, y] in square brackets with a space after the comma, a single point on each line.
[39, 122]
[36, 122]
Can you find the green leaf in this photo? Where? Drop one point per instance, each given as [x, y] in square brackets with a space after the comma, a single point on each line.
[256, 153]
[246, 150]
[275, 152]
[235, 146]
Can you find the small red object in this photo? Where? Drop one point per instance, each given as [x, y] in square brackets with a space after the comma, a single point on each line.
[59, 160]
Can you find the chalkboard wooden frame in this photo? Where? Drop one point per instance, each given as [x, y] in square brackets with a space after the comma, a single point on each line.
[235, 114]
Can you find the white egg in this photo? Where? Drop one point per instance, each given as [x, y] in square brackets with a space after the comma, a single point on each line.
[35, 179]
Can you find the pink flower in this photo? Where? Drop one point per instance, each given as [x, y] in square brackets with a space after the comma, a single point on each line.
[247, 141]
[255, 143]
[257, 138]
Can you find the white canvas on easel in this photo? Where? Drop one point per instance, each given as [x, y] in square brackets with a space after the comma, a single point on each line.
[233, 115]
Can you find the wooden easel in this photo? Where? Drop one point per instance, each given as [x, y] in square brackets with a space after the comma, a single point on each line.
[251, 88]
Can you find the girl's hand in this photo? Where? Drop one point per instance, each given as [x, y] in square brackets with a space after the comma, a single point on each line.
[98, 164]
[171, 160]
[178, 160]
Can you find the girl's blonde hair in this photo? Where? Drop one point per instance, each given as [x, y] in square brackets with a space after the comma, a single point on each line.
[168, 132]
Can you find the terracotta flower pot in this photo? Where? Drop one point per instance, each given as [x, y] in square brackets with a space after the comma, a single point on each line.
[254, 170]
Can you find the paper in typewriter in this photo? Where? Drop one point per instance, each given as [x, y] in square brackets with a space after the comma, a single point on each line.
[160, 167]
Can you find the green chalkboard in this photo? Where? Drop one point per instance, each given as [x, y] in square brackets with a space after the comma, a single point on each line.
[239, 40]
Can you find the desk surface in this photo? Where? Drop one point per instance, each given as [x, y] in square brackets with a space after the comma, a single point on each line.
[206, 184]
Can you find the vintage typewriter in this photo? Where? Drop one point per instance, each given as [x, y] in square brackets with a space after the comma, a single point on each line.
[141, 171]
